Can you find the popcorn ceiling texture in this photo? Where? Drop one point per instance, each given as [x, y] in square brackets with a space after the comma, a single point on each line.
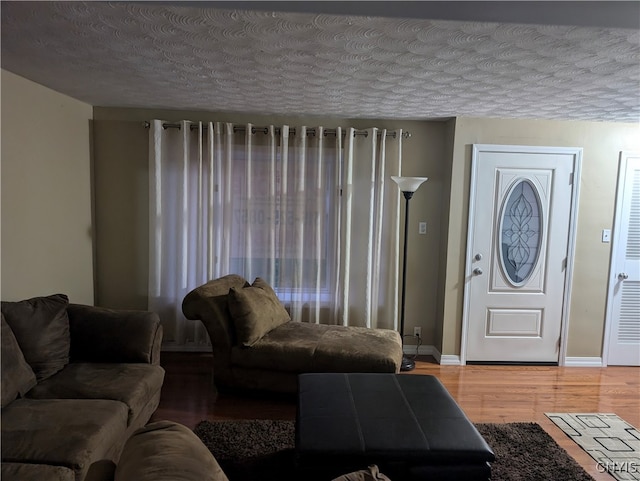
[189, 57]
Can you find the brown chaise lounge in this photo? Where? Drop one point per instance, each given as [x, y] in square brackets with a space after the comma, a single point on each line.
[256, 345]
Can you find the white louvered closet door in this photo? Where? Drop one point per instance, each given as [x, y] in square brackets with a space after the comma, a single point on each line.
[623, 324]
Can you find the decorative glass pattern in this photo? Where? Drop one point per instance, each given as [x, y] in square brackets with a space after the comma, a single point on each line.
[520, 232]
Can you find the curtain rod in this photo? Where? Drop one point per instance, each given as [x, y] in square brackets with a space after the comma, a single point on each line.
[312, 131]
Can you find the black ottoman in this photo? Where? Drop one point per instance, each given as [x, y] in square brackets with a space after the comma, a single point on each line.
[409, 425]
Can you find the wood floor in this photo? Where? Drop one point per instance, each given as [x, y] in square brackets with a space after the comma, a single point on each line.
[496, 394]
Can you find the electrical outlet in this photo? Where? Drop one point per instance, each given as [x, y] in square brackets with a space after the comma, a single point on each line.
[417, 331]
[422, 228]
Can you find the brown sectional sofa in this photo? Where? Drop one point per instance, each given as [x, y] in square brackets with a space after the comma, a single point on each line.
[77, 381]
[256, 345]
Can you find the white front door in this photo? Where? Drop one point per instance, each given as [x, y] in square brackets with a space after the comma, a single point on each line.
[622, 333]
[518, 248]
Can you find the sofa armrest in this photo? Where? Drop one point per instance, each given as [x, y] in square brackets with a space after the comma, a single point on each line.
[108, 335]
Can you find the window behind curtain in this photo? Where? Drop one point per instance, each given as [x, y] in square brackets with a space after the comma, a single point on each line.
[313, 216]
[284, 215]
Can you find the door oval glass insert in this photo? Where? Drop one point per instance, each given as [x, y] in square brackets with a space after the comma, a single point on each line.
[520, 232]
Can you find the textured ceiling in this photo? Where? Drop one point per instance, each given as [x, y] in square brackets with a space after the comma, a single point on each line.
[191, 57]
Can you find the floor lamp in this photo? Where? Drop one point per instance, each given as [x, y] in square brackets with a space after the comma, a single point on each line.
[408, 185]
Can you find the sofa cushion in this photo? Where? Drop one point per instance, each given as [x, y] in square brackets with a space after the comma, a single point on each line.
[255, 311]
[133, 384]
[73, 433]
[289, 347]
[41, 327]
[35, 472]
[97, 334]
[360, 349]
[167, 451]
[17, 375]
[300, 347]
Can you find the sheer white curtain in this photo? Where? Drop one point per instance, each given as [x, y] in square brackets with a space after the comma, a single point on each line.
[312, 212]
[368, 276]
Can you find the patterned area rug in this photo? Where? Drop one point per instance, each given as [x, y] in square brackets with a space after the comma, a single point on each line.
[263, 450]
[611, 441]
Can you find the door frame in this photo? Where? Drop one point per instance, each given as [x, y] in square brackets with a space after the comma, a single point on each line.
[623, 160]
[477, 149]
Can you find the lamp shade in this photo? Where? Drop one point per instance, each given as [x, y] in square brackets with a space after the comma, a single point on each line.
[408, 184]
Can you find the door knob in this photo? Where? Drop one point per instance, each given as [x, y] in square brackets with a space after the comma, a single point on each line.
[477, 271]
[478, 257]
[623, 276]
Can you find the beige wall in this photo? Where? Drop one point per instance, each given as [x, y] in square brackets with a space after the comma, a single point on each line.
[46, 204]
[46, 193]
[121, 197]
[442, 252]
[121, 213]
[602, 143]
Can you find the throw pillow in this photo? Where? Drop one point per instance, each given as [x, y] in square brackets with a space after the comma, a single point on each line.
[17, 375]
[41, 327]
[370, 474]
[255, 311]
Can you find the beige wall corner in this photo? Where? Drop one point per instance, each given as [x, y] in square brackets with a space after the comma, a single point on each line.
[121, 157]
[601, 143]
[46, 193]
[445, 200]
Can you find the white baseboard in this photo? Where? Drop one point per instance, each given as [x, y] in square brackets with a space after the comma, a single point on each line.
[583, 362]
[424, 350]
[450, 360]
[427, 350]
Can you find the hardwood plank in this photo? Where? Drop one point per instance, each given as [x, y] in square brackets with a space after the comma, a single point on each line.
[487, 394]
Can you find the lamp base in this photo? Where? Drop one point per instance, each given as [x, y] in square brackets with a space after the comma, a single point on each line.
[407, 364]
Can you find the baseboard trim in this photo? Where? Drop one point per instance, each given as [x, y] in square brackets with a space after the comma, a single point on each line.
[450, 360]
[447, 359]
[428, 350]
[583, 362]
[424, 350]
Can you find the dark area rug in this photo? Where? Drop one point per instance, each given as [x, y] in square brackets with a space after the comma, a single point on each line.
[253, 450]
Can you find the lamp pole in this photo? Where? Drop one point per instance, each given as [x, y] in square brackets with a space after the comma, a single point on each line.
[407, 364]
[408, 186]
